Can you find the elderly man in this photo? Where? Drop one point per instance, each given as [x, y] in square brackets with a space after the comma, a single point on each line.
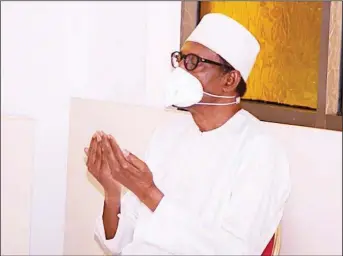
[213, 181]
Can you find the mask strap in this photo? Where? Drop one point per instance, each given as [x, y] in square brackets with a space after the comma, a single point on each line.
[218, 96]
[237, 101]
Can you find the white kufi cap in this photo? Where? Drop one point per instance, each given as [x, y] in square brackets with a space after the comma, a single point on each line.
[229, 39]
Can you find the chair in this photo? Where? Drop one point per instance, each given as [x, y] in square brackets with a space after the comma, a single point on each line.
[273, 247]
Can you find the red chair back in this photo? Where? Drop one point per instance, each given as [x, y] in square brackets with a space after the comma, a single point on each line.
[269, 249]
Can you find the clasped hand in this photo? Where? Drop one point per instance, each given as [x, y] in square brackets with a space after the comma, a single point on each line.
[109, 164]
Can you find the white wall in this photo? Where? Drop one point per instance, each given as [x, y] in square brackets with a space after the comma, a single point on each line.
[98, 50]
[17, 143]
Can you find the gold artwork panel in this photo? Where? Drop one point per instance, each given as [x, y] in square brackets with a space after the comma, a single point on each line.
[287, 68]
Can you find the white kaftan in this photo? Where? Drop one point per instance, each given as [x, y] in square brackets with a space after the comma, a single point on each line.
[224, 190]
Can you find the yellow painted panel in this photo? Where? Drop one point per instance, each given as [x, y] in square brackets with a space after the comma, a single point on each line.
[286, 70]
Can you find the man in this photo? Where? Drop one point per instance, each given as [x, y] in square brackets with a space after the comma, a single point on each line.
[213, 181]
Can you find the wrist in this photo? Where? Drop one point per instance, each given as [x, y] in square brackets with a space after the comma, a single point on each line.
[111, 197]
[152, 197]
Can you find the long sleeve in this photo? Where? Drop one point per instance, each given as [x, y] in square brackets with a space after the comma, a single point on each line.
[252, 212]
[126, 226]
[127, 221]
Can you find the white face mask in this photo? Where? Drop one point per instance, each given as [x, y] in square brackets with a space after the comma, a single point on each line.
[184, 90]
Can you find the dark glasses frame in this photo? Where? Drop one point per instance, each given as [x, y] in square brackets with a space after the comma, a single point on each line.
[191, 57]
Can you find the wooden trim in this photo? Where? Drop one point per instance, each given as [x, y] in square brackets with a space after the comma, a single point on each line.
[289, 115]
[334, 123]
[189, 19]
[323, 66]
[340, 111]
[334, 58]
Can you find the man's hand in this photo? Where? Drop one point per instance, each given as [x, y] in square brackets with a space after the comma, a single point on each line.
[99, 168]
[131, 172]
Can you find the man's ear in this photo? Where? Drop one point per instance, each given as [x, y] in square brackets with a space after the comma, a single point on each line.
[231, 80]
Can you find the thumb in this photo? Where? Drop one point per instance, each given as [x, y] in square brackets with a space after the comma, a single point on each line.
[86, 151]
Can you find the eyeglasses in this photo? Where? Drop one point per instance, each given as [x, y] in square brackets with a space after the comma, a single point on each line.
[191, 61]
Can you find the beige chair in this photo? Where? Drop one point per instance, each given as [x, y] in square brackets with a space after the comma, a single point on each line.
[277, 242]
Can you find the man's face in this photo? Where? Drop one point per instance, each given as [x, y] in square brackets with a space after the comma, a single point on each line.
[212, 77]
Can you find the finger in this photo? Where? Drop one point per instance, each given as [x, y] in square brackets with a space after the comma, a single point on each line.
[95, 138]
[91, 143]
[103, 161]
[98, 158]
[93, 154]
[135, 161]
[102, 134]
[117, 152]
[109, 155]
[93, 150]
[90, 150]
[98, 136]
[86, 151]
